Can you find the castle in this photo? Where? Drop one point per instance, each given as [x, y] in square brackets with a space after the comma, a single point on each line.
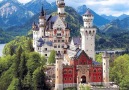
[75, 60]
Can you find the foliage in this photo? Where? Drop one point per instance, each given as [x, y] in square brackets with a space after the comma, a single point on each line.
[38, 77]
[51, 58]
[119, 71]
[99, 57]
[83, 87]
[72, 88]
[19, 70]
[14, 84]
[33, 62]
[24, 42]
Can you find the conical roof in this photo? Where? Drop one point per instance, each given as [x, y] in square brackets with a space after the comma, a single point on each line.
[42, 12]
[88, 12]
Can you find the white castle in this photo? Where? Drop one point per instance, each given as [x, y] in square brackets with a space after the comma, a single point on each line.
[52, 33]
[77, 55]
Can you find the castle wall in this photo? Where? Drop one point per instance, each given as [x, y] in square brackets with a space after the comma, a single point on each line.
[96, 74]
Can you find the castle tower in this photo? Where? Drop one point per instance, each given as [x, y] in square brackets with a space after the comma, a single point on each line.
[59, 74]
[88, 33]
[35, 35]
[105, 59]
[42, 23]
[61, 7]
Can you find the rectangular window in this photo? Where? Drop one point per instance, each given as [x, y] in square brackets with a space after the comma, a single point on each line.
[55, 46]
[45, 49]
[58, 40]
[45, 54]
[62, 40]
[59, 34]
[58, 46]
[62, 46]
[70, 79]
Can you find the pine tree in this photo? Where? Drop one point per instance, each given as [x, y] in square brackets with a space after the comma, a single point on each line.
[29, 45]
[39, 80]
[22, 66]
[51, 58]
[17, 62]
[11, 50]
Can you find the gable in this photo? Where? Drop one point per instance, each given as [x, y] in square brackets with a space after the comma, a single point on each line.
[83, 58]
[59, 23]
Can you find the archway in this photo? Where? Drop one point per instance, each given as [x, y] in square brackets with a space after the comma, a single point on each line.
[83, 79]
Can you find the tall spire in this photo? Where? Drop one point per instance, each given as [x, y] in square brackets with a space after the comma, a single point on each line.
[42, 11]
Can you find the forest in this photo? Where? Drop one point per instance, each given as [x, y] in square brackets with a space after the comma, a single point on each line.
[23, 69]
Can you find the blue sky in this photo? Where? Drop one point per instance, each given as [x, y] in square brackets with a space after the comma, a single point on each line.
[108, 7]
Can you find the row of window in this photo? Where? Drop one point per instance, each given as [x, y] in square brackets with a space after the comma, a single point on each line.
[58, 46]
[58, 40]
[97, 78]
[67, 71]
[98, 70]
[65, 79]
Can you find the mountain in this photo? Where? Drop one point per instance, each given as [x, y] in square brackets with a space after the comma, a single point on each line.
[35, 5]
[98, 20]
[72, 16]
[81, 9]
[110, 17]
[116, 26]
[13, 13]
[123, 16]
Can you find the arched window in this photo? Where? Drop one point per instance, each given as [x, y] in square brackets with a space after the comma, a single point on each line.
[65, 71]
[94, 70]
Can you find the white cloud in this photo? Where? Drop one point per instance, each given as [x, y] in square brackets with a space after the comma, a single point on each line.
[108, 7]
[24, 1]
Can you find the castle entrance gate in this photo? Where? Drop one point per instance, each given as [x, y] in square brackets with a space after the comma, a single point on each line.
[83, 79]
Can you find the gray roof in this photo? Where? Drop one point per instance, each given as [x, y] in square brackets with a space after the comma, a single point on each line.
[49, 43]
[95, 63]
[53, 18]
[77, 40]
[78, 53]
[47, 17]
[41, 42]
[88, 12]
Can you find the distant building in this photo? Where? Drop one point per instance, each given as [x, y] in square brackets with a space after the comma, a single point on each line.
[75, 60]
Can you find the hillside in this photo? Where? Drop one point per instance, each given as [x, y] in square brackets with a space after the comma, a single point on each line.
[116, 26]
[4, 37]
[114, 35]
[74, 20]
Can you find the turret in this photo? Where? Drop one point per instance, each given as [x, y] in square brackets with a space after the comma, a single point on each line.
[88, 19]
[35, 34]
[61, 7]
[105, 60]
[59, 74]
[88, 33]
[42, 23]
